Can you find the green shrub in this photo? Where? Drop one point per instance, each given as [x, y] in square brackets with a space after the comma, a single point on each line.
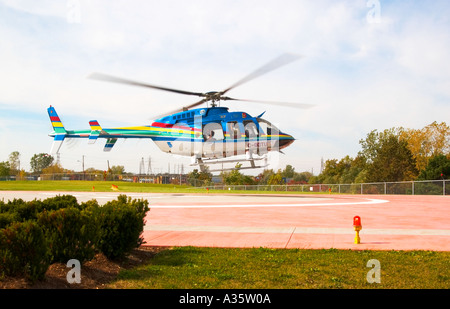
[122, 223]
[10, 205]
[59, 202]
[24, 210]
[23, 251]
[37, 233]
[72, 234]
[7, 218]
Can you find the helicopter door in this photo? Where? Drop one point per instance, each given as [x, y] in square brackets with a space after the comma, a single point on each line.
[212, 140]
[269, 135]
[234, 142]
[251, 136]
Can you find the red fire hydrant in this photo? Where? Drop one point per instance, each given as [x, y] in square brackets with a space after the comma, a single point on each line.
[357, 226]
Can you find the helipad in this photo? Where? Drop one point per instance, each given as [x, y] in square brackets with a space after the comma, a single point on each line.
[390, 222]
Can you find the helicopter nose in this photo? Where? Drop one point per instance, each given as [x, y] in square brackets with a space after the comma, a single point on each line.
[285, 140]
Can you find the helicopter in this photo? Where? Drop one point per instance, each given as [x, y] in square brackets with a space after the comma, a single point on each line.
[209, 135]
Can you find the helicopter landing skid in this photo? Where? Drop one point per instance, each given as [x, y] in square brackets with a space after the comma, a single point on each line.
[204, 163]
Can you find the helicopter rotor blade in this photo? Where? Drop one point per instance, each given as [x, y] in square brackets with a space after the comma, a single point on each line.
[109, 78]
[184, 108]
[287, 104]
[276, 63]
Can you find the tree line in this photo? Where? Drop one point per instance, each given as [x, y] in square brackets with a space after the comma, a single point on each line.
[43, 163]
[395, 154]
[288, 175]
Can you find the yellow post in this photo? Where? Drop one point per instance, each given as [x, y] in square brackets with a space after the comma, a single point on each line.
[357, 239]
[358, 227]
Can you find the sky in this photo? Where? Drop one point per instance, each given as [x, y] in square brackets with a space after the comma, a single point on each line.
[366, 65]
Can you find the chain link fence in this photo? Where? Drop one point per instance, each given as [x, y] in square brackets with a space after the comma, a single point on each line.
[429, 187]
[159, 179]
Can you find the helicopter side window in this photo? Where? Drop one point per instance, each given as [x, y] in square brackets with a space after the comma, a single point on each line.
[250, 129]
[212, 132]
[233, 130]
[267, 128]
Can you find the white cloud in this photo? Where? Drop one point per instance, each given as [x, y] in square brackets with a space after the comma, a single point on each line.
[361, 75]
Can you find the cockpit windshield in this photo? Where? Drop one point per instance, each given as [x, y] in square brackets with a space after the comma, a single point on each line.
[267, 128]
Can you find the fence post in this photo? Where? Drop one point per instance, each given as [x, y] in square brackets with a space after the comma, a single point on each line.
[412, 184]
[443, 186]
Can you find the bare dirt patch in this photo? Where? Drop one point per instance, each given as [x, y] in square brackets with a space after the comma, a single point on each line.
[95, 274]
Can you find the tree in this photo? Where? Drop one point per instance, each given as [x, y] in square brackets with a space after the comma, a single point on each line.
[40, 161]
[263, 178]
[374, 141]
[117, 170]
[387, 156]
[354, 171]
[53, 169]
[438, 168]
[14, 162]
[345, 170]
[432, 140]
[393, 162]
[235, 177]
[276, 179]
[288, 172]
[439, 138]
[329, 173]
[302, 177]
[196, 178]
[4, 168]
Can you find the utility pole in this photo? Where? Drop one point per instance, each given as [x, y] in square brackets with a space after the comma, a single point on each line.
[149, 169]
[141, 167]
[82, 164]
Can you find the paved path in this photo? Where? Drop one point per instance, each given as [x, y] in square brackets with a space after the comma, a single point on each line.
[287, 221]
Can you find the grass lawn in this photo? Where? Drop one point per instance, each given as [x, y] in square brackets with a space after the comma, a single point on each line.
[105, 186]
[78, 185]
[262, 268]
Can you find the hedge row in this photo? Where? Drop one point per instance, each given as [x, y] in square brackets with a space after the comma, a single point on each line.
[35, 234]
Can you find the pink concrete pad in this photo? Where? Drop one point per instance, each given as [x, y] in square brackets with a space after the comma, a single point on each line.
[303, 221]
[389, 222]
[216, 239]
